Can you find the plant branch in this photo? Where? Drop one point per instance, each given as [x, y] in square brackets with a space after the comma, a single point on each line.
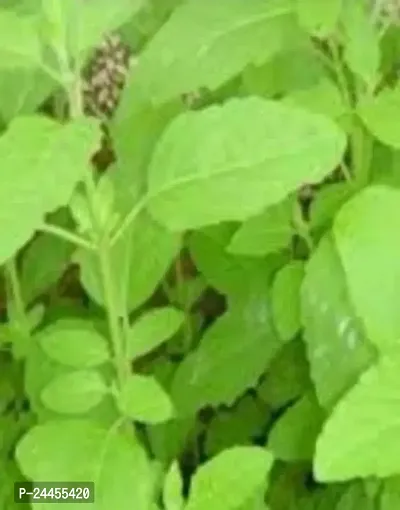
[66, 235]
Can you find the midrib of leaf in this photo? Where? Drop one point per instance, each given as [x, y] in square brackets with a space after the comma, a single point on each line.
[182, 181]
[97, 470]
[253, 20]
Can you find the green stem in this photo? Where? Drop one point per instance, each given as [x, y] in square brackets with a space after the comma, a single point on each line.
[180, 280]
[103, 245]
[66, 235]
[16, 296]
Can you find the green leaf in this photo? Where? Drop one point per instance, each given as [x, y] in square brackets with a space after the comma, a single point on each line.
[74, 343]
[242, 337]
[204, 44]
[338, 349]
[229, 479]
[293, 68]
[75, 392]
[22, 91]
[239, 425]
[287, 377]
[323, 97]
[286, 299]
[152, 329]
[43, 264]
[173, 488]
[80, 26]
[229, 162]
[223, 270]
[365, 231]
[390, 494]
[42, 161]
[327, 202]
[361, 42]
[143, 399]
[360, 437]
[293, 436]
[139, 260]
[319, 18]
[379, 115]
[19, 41]
[265, 233]
[116, 463]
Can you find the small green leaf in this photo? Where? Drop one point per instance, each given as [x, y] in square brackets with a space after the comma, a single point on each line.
[42, 162]
[74, 343]
[293, 436]
[361, 42]
[143, 399]
[152, 329]
[327, 202]
[379, 115]
[173, 488]
[115, 462]
[251, 152]
[229, 479]
[319, 18]
[204, 44]
[338, 349]
[365, 232]
[360, 437]
[265, 233]
[75, 392]
[286, 299]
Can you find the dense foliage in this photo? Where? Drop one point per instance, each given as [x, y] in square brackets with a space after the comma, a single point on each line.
[201, 267]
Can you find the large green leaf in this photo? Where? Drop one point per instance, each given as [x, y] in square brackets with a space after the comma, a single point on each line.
[203, 44]
[232, 353]
[75, 392]
[19, 41]
[365, 232]
[337, 347]
[229, 162]
[116, 463]
[74, 343]
[229, 479]
[360, 439]
[319, 18]
[42, 161]
[80, 26]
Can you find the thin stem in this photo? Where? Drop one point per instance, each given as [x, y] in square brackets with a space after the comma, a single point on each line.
[131, 216]
[180, 280]
[340, 72]
[103, 245]
[16, 296]
[67, 236]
